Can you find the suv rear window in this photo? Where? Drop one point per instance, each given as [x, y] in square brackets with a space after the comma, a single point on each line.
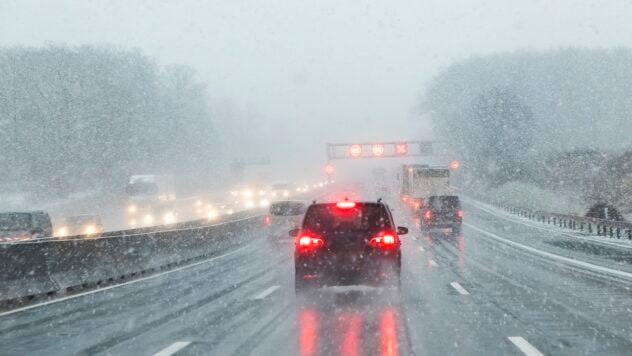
[329, 217]
[446, 202]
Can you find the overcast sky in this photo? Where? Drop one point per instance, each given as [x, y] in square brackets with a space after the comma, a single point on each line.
[346, 70]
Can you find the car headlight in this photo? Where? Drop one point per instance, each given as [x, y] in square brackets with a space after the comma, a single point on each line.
[286, 193]
[274, 194]
[249, 204]
[62, 232]
[247, 193]
[89, 230]
[148, 219]
[131, 209]
[133, 222]
[211, 214]
[264, 202]
[169, 218]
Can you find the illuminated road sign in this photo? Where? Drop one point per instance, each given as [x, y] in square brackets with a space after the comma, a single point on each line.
[378, 150]
[355, 150]
[384, 149]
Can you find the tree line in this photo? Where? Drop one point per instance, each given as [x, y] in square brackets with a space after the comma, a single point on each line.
[519, 116]
[85, 118]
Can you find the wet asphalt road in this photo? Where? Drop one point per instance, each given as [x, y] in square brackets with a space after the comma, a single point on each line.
[504, 286]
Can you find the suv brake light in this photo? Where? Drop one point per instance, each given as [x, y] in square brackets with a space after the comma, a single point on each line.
[346, 204]
[384, 240]
[459, 213]
[308, 242]
[428, 215]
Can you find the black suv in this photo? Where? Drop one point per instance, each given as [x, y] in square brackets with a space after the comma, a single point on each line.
[347, 243]
[442, 211]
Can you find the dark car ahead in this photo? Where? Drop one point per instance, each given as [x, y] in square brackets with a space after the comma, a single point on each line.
[25, 226]
[347, 243]
[442, 211]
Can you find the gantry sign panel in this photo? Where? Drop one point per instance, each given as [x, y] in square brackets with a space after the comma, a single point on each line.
[382, 149]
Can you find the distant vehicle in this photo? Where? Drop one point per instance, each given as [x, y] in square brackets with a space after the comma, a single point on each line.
[443, 211]
[80, 225]
[281, 190]
[284, 215]
[418, 182]
[151, 200]
[251, 196]
[15, 226]
[347, 242]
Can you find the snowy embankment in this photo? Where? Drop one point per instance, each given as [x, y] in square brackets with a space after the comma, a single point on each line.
[529, 196]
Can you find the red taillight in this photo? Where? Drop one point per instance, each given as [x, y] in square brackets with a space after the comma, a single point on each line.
[309, 242]
[267, 220]
[459, 213]
[428, 215]
[384, 240]
[346, 204]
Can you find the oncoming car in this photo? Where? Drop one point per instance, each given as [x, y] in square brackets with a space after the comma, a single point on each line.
[80, 225]
[345, 243]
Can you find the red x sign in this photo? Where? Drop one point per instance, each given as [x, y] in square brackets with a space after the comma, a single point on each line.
[401, 149]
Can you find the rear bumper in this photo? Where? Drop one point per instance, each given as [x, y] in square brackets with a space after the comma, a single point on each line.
[330, 271]
[441, 223]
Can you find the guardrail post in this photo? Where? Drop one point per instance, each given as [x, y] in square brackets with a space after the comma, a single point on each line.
[618, 232]
[589, 228]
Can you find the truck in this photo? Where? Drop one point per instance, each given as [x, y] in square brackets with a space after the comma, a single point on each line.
[419, 181]
[151, 200]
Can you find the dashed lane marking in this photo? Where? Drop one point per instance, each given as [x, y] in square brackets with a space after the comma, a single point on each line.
[525, 346]
[459, 288]
[173, 348]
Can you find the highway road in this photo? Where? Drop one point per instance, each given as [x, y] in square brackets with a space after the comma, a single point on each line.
[504, 286]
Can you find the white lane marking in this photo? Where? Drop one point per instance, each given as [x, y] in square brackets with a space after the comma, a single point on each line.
[265, 293]
[583, 264]
[173, 348]
[459, 288]
[421, 249]
[14, 311]
[414, 238]
[524, 346]
[433, 263]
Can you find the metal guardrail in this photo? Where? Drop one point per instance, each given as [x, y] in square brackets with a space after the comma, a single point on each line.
[600, 227]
